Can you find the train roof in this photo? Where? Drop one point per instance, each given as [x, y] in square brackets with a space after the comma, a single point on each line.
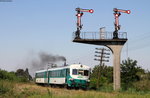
[77, 66]
[41, 71]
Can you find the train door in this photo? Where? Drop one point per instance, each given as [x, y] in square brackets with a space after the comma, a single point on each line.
[48, 73]
[67, 75]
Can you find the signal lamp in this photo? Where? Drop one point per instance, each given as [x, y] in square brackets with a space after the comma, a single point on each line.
[79, 15]
[128, 11]
[91, 11]
[116, 15]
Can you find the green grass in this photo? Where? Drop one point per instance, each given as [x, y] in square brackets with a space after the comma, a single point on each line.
[30, 90]
[5, 87]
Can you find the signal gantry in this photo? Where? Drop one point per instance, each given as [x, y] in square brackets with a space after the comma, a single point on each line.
[114, 42]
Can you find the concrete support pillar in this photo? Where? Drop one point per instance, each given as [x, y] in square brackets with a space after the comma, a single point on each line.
[115, 45]
[116, 50]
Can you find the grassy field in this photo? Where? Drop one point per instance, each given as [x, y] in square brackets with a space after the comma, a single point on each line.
[31, 90]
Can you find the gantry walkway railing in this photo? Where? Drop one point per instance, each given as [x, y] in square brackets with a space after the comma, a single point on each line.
[100, 36]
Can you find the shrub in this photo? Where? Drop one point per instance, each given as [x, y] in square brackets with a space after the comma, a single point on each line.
[143, 85]
[11, 76]
[4, 75]
[5, 86]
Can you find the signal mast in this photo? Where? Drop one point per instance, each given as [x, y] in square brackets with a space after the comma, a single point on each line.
[117, 13]
[79, 15]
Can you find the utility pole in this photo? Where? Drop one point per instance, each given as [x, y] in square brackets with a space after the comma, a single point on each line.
[102, 58]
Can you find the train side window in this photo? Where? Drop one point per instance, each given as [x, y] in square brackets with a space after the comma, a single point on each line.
[49, 73]
[64, 72]
[74, 71]
[40, 75]
[68, 71]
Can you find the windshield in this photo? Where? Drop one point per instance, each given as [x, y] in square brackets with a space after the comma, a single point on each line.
[80, 72]
[86, 72]
[74, 72]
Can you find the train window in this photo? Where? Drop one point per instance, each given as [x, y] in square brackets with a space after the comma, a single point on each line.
[40, 75]
[64, 72]
[86, 72]
[74, 71]
[68, 71]
[80, 72]
[50, 73]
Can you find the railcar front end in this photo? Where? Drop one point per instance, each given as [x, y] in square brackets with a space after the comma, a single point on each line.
[79, 76]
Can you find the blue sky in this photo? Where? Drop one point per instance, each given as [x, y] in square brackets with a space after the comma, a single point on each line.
[28, 26]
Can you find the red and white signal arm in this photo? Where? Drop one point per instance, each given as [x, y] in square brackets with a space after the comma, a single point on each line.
[123, 11]
[87, 10]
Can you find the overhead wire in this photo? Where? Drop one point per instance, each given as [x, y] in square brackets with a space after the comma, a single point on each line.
[141, 41]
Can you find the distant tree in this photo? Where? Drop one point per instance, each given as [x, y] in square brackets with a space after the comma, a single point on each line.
[20, 73]
[144, 83]
[132, 76]
[19, 76]
[130, 72]
[5, 75]
[148, 75]
[27, 74]
[106, 76]
[23, 74]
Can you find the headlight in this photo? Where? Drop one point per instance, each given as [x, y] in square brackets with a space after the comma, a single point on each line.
[88, 80]
[71, 79]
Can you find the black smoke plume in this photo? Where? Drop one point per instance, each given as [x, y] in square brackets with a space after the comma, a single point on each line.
[42, 60]
[45, 58]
